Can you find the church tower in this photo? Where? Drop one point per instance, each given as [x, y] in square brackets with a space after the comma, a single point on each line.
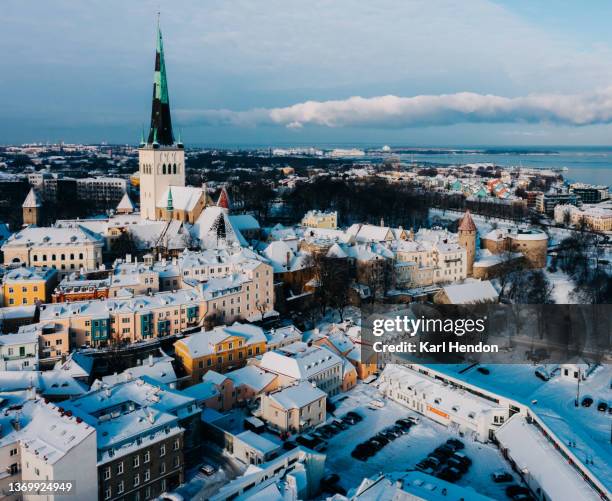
[31, 209]
[161, 159]
[467, 239]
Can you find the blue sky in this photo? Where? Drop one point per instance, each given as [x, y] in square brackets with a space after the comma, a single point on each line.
[285, 71]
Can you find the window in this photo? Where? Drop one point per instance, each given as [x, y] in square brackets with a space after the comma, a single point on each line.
[162, 468]
[136, 480]
[136, 461]
[147, 475]
[120, 468]
[120, 487]
[13, 452]
[177, 444]
[162, 450]
[107, 493]
[107, 473]
[177, 461]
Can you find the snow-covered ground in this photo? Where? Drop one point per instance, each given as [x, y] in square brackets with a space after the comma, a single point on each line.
[406, 451]
[586, 428]
[199, 486]
[562, 287]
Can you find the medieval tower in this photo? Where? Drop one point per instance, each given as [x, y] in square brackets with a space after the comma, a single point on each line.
[467, 239]
[31, 209]
[161, 159]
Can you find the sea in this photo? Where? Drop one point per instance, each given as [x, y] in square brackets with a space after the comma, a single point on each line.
[581, 164]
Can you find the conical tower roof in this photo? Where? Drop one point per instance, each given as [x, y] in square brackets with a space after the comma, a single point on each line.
[160, 131]
[31, 201]
[466, 223]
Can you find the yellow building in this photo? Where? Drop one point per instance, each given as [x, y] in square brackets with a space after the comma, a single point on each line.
[221, 349]
[320, 219]
[27, 286]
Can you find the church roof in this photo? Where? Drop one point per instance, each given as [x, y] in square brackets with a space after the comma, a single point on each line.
[215, 229]
[182, 197]
[466, 223]
[32, 200]
[160, 131]
[125, 203]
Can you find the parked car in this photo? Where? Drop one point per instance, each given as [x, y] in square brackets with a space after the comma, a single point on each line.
[455, 444]
[312, 442]
[542, 374]
[462, 467]
[484, 370]
[340, 424]
[445, 450]
[587, 402]
[331, 430]
[413, 420]
[363, 451]
[404, 424]
[380, 437]
[602, 406]
[459, 456]
[449, 474]
[355, 416]
[399, 430]
[501, 476]
[289, 445]
[208, 469]
[514, 490]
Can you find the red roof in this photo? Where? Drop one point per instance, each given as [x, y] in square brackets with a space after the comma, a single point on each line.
[467, 223]
[224, 200]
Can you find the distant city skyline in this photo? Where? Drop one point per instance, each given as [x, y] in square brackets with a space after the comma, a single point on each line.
[400, 72]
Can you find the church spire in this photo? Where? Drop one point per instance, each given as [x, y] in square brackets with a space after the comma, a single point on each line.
[161, 123]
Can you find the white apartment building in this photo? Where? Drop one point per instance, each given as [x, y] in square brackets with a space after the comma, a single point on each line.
[65, 249]
[300, 362]
[294, 408]
[597, 217]
[101, 189]
[432, 257]
[19, 352]
[57, 446]
[459, 410]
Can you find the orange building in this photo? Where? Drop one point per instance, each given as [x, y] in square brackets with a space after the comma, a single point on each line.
[221, 349]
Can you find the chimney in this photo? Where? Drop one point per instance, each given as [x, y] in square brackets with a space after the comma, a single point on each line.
[288, 259]
[150, 360]
[382, 222]
[128, 258]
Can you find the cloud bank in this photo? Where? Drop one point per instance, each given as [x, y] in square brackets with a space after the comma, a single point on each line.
[396, 112]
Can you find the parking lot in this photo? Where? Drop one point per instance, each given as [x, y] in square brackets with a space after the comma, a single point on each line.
[406, 450]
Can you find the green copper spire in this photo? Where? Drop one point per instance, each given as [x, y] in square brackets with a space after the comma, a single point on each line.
[170, 206]
[161, 122]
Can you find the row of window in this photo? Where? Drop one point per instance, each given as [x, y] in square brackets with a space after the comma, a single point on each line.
[165, 169]
[43, 257]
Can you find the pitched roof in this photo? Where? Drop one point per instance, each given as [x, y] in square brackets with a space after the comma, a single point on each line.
[466, 223]
[471, 292]
[224, 199]
[125, 203]
[297, 396]
[32, 200]
[180, 197]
